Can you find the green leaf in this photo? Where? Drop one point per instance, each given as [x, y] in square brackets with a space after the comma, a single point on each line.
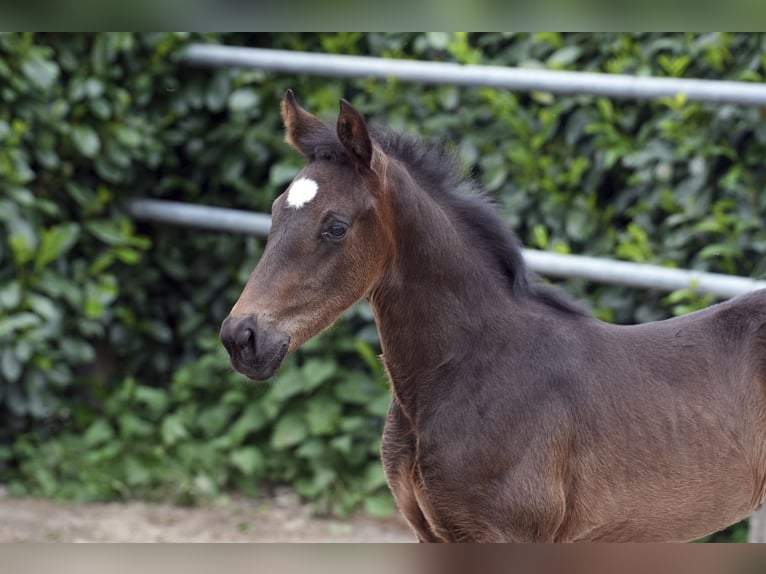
[312, 448]
[94, 307]
[213, 420]
[173, 429]
[44, 306]
[281, 174]
[133, 427]
[155, 399]
[368, 355]
[251, 420]
[579, 225]
[136, 473]
[41, 72]
[10, 366]
[86, 140]
[540, 236]
[248, 460]
[564, 57]
[380, 505]
[98, 433]
[718, 250]
[353, 424]
[218, 91]
[98, 296]
[77, 351]
[380, 405]
[243, 99]
[18, 322]
[438, 40]
[106, 230]
[374, 477]
[55, 242]
[317, 371]
[288, 431]
[10, 295]
[323, 415]
[128, 136]
[288, 384]
[343, 444]
[22, 240]
[127, 255]
[205, 485]
[352, 390]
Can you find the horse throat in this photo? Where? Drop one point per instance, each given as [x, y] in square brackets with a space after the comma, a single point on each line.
[440, 297]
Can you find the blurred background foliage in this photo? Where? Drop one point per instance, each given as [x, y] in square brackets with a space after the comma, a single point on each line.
[112, 382]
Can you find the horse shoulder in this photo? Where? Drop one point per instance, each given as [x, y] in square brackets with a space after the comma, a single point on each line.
[737, 330]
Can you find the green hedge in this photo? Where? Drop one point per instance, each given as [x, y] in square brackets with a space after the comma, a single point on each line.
[112, 382]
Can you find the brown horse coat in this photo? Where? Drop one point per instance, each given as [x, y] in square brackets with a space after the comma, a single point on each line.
[515, 416]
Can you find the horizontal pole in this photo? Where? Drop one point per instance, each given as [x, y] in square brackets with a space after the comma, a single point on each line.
[199, 216]
[518, 79]
[638, 274]
[542, 262]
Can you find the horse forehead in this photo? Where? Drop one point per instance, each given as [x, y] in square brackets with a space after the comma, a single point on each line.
[320, 184]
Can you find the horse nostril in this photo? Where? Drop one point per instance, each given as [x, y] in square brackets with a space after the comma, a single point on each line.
[246, 339]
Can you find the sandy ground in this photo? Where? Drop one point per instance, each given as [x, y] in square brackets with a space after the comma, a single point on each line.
[278, 518]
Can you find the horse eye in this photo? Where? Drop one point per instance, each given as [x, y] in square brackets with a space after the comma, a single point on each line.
[336, 231]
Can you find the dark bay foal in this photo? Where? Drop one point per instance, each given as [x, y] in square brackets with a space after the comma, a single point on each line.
[516, 416]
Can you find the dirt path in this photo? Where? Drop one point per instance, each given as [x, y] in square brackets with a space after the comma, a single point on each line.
[278, 518]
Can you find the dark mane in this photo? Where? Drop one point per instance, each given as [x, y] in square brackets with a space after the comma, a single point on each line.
[437, 170]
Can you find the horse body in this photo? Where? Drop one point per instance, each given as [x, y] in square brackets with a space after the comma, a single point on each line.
[545, 417]
[516, 416]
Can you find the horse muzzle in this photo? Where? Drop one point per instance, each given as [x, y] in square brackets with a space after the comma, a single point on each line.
[256, 349]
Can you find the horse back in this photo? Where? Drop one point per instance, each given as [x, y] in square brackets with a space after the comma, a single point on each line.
[680, 420]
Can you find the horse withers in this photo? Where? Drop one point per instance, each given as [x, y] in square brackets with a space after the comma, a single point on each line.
[516, 415]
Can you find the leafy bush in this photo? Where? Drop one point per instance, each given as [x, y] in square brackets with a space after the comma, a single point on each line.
[112, 382]
[318, 426]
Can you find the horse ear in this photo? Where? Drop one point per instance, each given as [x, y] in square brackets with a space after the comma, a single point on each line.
[353, 134]
[302, 130]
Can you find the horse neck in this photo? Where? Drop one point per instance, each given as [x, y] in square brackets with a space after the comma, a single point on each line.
[439, 297]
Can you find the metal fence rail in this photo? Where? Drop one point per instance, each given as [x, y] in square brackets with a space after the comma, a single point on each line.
[520, 79]
[199, 216]
[542, 262]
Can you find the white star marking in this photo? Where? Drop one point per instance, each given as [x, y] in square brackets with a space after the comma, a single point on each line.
[301, 192]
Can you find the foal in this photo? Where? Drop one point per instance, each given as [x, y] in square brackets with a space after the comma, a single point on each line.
[515, 416]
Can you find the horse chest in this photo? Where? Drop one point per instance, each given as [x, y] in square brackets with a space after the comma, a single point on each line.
[416, 503]
[402, 469]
